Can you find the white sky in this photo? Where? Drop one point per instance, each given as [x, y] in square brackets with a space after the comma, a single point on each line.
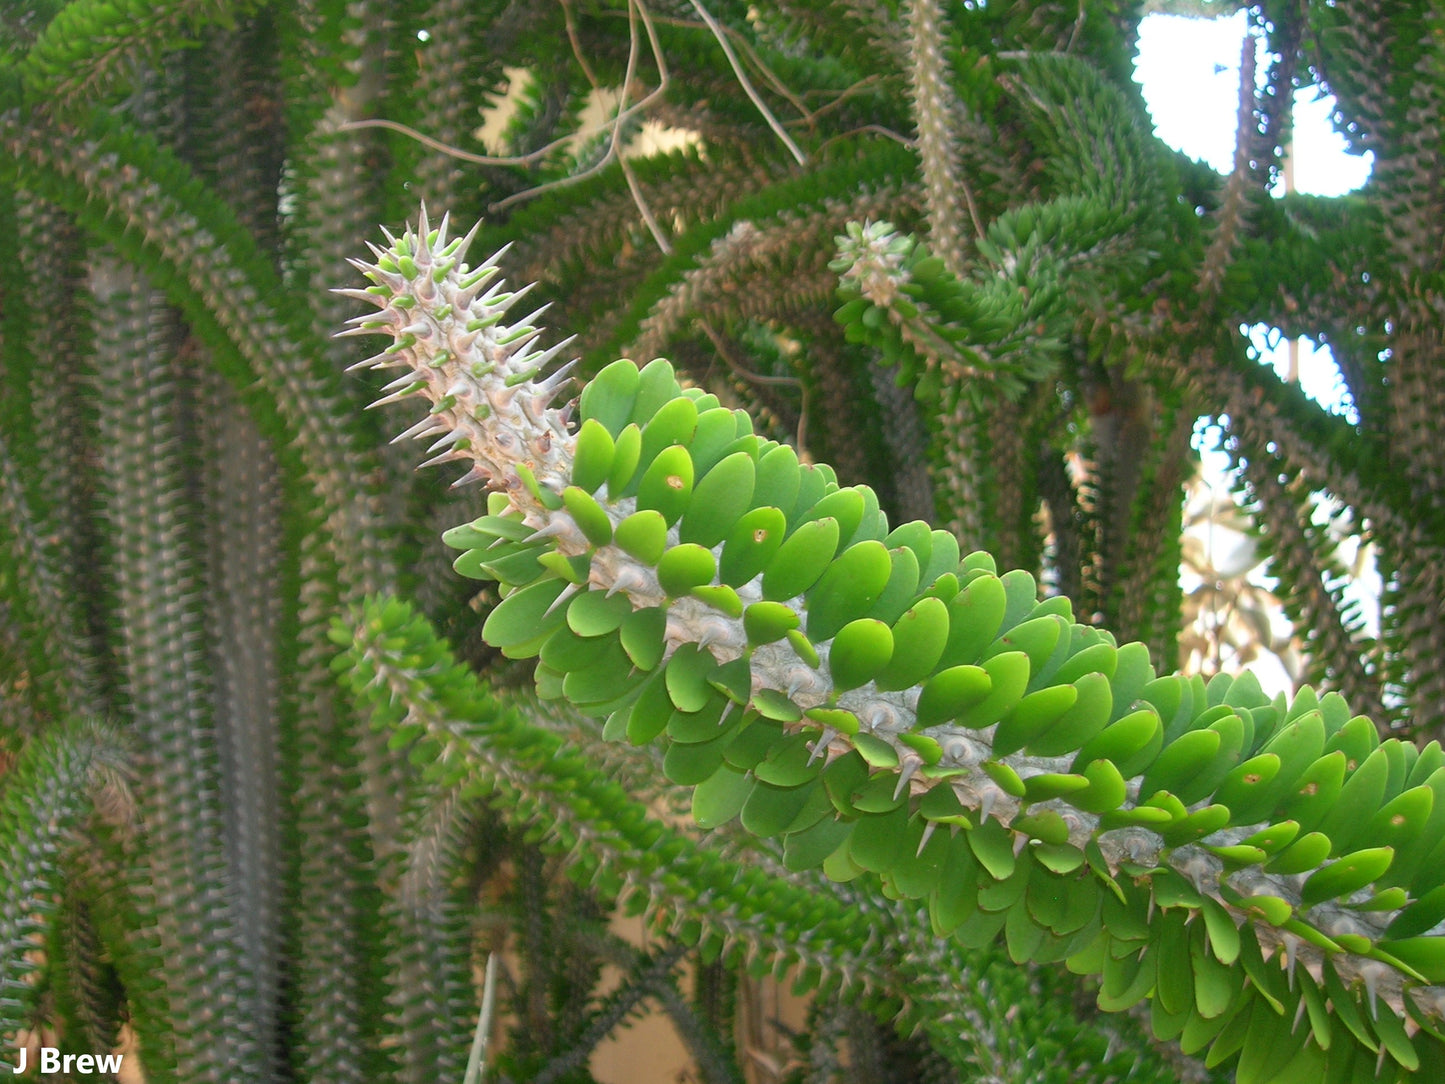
[1189, 71]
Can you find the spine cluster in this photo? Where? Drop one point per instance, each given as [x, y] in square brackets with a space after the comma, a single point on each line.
[490, 403]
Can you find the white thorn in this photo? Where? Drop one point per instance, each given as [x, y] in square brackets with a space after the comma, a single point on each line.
[519, 346]
[428, 426]
[447, 441]
[495, 258]
[394, 397]
[821, 745]
[562, 375]
[361, 295]
[908, 767]
[531, 317]
[516, 296]
[627, 579]
[376, 361]
[437, 460]
[377, 323]
[478, 473]
[463, 341]
[567, 592]
[929, 828]
[471, 235]
[552, 530]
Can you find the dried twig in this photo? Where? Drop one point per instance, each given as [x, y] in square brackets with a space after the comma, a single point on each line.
[635, 9]
[746, 84]
[759, 378]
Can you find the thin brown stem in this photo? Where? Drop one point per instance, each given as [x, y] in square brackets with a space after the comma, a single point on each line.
[746, 83]
[758, 378]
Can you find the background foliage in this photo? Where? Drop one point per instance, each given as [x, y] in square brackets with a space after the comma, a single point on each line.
[211, 840]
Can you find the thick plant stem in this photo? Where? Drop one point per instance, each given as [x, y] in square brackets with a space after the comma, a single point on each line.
[934, 114]
[162, 651]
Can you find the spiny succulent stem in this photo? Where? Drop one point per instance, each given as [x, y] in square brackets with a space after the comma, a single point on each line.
[491, 405]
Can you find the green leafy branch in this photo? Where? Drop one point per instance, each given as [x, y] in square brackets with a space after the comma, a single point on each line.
[729, 893]
[851, 689]
[943, 331]
[48, 791]
[90, 46]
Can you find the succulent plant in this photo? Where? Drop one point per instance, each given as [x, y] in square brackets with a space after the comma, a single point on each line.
[263, 865]
[1266, 870]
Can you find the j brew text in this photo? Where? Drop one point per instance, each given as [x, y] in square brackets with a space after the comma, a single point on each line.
[53, 1061]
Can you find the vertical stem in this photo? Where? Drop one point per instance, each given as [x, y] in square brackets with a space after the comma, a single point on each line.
[934, 106]
[187, 898]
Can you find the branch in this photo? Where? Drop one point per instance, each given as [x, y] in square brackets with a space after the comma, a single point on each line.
[851, 690]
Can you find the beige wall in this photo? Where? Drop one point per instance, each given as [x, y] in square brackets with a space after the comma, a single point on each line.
[650, 1052]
